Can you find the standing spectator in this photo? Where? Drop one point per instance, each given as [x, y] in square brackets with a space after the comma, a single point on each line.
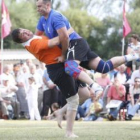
[50, 94]
[116, 92]
[39, 83]
[40, 68]
[29, 62]
[133, 106]
[134, 46]
[21, 92]
[32, 97]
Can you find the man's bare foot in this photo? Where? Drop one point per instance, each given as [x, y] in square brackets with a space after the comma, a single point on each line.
[71, 135]
[59, 117]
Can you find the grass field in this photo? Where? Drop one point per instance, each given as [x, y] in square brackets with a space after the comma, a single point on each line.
[48, 130]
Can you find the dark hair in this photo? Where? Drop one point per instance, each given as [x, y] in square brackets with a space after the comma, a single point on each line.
[55, 105]
[135, 36]
[15, 36]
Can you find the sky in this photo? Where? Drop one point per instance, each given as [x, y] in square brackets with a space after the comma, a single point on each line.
[99, 11]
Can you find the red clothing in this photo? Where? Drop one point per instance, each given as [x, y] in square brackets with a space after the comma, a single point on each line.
[113, 95]
[38, 46]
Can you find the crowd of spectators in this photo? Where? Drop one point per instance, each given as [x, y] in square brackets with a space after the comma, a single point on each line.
[26, 91]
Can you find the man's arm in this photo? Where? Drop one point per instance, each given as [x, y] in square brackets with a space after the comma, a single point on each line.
[56, 41]
[64, 41]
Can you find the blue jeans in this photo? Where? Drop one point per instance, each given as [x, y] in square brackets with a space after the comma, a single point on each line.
[91, 117]
[114, 111]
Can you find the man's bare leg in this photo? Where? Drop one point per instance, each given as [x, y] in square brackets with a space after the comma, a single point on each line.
[59, 115]
[71, 114]
[84, 94]
[72, 106]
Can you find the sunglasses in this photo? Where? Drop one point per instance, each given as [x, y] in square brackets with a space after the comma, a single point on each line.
[137, 81]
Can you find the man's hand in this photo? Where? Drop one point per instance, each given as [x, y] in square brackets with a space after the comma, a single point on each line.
[60, 59]
[51, 86]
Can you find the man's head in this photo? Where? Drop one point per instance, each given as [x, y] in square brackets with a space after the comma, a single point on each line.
[43, 7]
[21, 35]
[134, 38]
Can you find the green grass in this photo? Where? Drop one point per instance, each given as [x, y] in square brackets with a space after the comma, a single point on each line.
[48, 130]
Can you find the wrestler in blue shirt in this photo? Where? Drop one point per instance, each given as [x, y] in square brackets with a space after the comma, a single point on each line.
[54, 22]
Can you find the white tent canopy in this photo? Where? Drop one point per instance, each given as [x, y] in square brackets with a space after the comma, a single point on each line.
[8, 54]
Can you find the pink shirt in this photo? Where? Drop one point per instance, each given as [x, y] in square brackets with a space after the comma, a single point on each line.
[103, 81]
[112, 93]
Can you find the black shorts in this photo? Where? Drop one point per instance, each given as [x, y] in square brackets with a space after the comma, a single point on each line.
[80, 84]
[65, 82]
[80, 50]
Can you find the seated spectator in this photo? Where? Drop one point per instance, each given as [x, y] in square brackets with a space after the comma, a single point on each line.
[104, 80]
[116, 92]
[6, 108]
[121, 74]
[7, 72]
[93, 103]
[123, 77]
[133, 106]
[112, 72]
[135, 74]
[8, 94]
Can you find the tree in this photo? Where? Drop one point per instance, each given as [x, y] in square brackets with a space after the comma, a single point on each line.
[24, 18]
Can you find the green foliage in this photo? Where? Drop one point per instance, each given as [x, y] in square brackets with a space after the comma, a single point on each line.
[134, 21]
[135, 4]
[82, 22]
[25, 15]
[22, 15]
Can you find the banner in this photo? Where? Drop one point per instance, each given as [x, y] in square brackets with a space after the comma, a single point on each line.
[126, 27]
[6, 23]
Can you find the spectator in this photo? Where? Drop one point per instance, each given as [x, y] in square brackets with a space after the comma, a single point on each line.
[133, 46]
[116, 92]
[5, 107]
[121, 75]
[50, 94]
[32, 97]
[104, 80]
[7, 72]
[133, 106]
[29, 62]
[135, 74]
[92, 103]
[123, 78]
[21, 92]
[39, 83]
[8, 94]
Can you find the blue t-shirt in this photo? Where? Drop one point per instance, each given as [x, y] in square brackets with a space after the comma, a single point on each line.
[46, 76]
[54, 22]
